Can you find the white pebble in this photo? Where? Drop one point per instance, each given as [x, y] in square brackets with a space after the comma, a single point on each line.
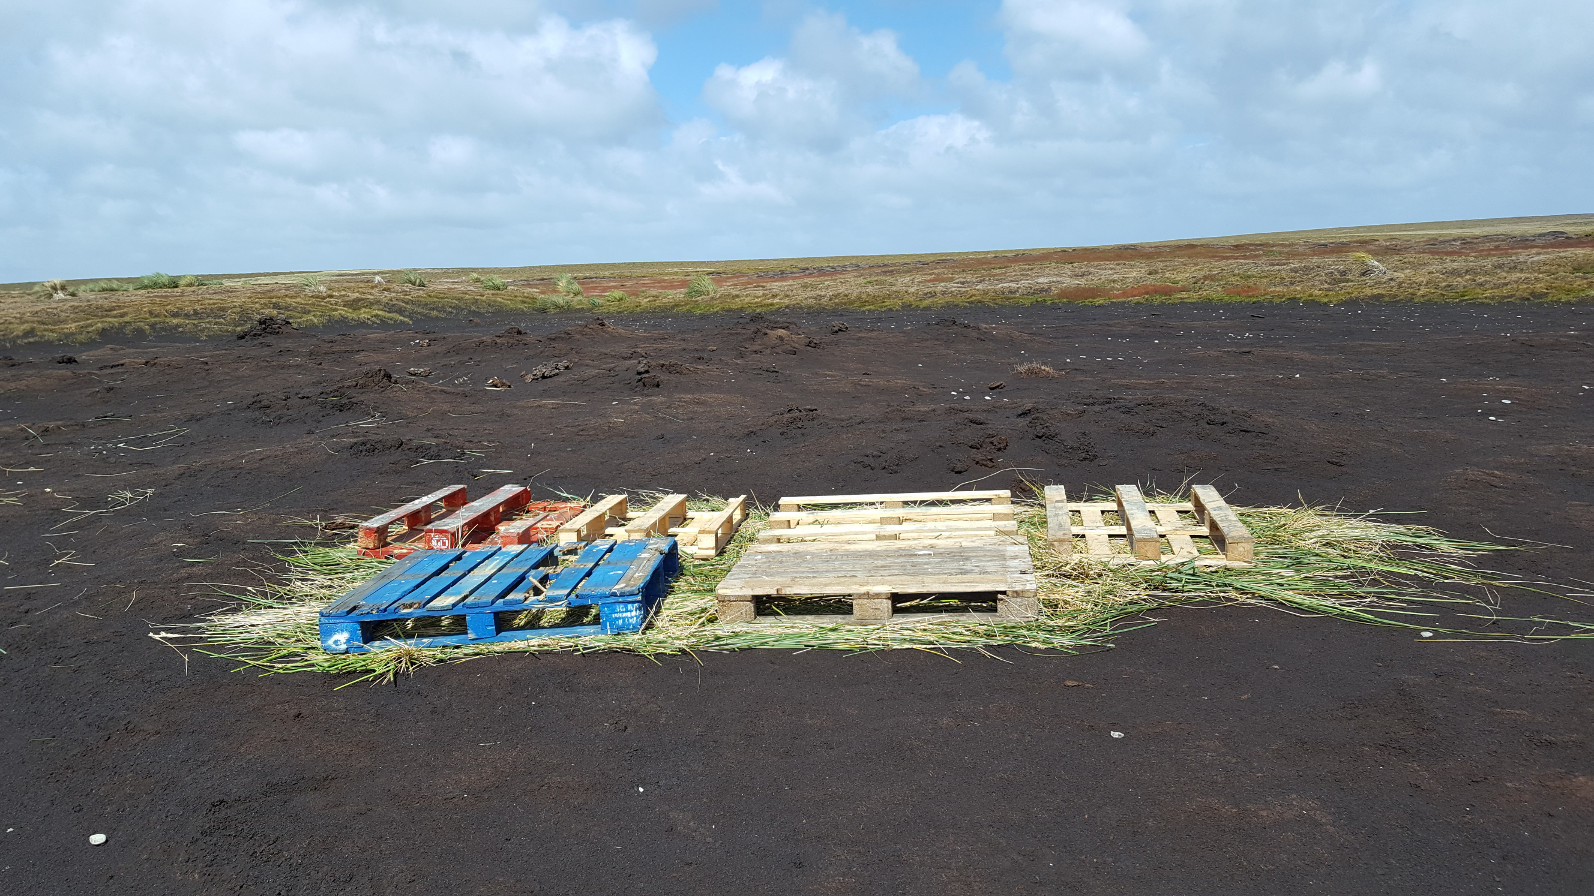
[1116, 733]
[1427, 634]
[96, 839]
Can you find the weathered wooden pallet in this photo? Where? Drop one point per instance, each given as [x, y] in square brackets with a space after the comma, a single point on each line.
[1128, 529]
[447, 519]
[905, 545]
[501, 595]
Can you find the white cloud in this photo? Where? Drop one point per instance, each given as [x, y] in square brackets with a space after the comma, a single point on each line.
[1045, 35]
[272, 134]
[836, 84]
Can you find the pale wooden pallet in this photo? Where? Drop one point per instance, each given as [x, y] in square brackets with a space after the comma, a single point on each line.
[701, 534]
[1127, 530]
[706, 533]
[917, 543]
[892, 517]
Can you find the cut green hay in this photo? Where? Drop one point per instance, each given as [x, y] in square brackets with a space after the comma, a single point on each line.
[1309, 561]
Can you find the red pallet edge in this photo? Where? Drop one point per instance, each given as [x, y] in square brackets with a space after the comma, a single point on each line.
[374, 532]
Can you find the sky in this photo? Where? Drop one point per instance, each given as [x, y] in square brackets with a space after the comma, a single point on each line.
[194, 136]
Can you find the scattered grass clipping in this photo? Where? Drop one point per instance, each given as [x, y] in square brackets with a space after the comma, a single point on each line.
[1309, 561]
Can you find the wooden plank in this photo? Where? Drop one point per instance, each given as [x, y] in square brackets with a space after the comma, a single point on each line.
[1058, 532]
[886, 533]
[1097, 544]
[1228, 534]
[1169, 524]
[1142, 534]
[374, 531]
[994, 496]
[787, 519]
[591, 522]
[455, 529]
[818, 619]
[971, 539]
[669, 511]
[1184, 506]
[465, 587]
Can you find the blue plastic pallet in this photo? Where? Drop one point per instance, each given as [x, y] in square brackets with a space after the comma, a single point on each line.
[625, 580]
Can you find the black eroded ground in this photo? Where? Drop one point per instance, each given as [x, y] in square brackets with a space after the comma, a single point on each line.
[1262, 753]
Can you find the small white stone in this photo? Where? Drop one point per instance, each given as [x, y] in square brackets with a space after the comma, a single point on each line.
[1427, 634]
[1116, 733]
[639, 789]
[96, 839]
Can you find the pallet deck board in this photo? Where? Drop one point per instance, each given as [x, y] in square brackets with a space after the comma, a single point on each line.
[592, 522]
[992, 496]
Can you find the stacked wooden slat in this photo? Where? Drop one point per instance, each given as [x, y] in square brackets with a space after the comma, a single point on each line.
[1128, 529]
[876, 547]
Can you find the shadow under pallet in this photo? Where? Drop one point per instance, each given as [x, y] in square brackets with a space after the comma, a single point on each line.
[455, 597]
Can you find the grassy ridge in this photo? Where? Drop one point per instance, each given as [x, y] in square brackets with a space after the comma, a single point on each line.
[1532, 259]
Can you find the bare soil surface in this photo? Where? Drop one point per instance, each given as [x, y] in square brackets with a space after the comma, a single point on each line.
[1262, 753]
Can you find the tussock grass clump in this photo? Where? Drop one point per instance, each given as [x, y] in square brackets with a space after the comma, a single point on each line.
[493, 283]
[1310, 561]
[312, 285]
[701, 287]
[553, 303]
[157, 280]
[410, 278]
[616, 295]
[567, 285]
[106, 286]
[1035, 370]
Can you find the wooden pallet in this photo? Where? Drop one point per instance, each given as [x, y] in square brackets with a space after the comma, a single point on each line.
[447, 519]
[1128, 529]
[880, 547]
[706, 534]
[490, 591]
[702, 534]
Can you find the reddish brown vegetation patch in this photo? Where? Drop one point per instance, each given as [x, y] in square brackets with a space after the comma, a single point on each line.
[1148, 289]
[1080, 293]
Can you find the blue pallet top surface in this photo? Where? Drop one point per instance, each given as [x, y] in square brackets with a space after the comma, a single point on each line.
[437, 583]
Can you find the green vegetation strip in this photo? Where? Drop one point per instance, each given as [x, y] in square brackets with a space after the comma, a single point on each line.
[1309, 561]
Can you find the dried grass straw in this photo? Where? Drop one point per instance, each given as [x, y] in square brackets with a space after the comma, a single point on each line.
[1309, 560]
